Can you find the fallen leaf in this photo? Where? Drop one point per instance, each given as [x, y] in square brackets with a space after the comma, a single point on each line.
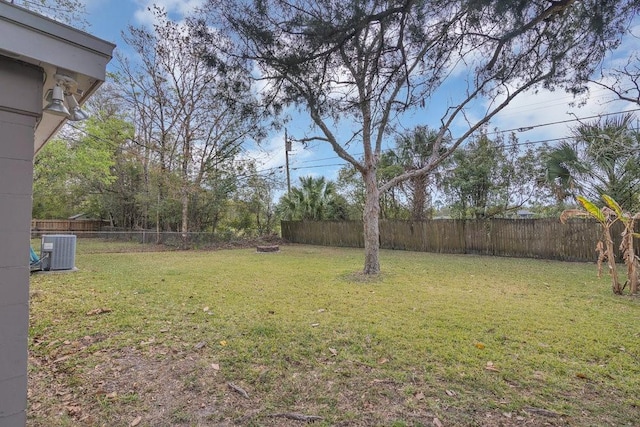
[480, 345]
[61, 359]
[223, 343]
[582, 376]
[314, 325]
[419, 396]
[322, 310]
[333, 351]
[437, 422]
[491, 368]
[200, 345]
[507, 414]
[450, 393]
[215, 366]
[112, 395]
[135, 421]
[205, 309]
[383, 361]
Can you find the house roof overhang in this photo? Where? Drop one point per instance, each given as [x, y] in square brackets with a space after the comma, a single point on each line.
[57, 49]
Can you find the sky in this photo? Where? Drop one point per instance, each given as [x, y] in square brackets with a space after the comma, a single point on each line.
[109, 18]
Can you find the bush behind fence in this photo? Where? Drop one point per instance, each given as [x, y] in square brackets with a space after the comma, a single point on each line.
[527, 238]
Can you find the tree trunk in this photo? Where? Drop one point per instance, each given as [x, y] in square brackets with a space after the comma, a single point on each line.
[371, 223]
[419, 197]
[186, 157]
[185, 210]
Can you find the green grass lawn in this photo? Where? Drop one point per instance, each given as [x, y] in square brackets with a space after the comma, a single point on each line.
[154, 339]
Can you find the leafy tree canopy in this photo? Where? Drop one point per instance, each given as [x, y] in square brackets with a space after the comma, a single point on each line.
[369, 61]
[602, 157]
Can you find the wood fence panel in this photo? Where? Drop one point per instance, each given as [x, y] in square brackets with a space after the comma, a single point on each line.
[65, 225]
[477, 237]
[326, 233]
[529, 238]
[445, 236]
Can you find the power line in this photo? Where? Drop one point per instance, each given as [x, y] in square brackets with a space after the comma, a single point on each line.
[577, 119]
[521, 129]
[542, 141]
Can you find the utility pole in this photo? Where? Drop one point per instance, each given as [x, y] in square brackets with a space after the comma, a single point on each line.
[287, 148]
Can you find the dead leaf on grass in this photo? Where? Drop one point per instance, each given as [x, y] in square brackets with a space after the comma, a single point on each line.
[333, 351]
[491, 367]
[215, 366]
[450, 393]
[61, 359]
[97, 311]
[135, 421]
[437, 422]
[205, 309]
[223, 343]
[419, 396]
[383, 361]
[479, 345]
[200, 345]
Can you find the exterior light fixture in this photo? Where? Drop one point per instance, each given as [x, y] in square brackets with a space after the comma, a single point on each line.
[75, 112]
[56, 106]
[64, 89]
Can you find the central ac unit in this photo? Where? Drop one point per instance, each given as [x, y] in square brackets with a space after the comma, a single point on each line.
[58, 252]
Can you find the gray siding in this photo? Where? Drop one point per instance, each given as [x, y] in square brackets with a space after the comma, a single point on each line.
[20, 106]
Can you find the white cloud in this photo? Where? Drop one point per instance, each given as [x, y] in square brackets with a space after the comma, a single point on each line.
[538, 110]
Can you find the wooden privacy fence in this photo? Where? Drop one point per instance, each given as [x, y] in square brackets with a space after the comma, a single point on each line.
[51, 226]
[526, 238]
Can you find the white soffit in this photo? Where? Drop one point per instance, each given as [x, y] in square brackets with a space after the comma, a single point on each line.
[56, 48]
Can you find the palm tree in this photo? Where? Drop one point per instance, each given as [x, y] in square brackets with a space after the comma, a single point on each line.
[561, 166]
[313, 200]
[604, 159]
[413, 151]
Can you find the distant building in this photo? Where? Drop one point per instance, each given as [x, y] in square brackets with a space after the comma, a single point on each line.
[525, 214]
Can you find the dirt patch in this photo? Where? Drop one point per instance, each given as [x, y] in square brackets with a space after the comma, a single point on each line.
[160, 386]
